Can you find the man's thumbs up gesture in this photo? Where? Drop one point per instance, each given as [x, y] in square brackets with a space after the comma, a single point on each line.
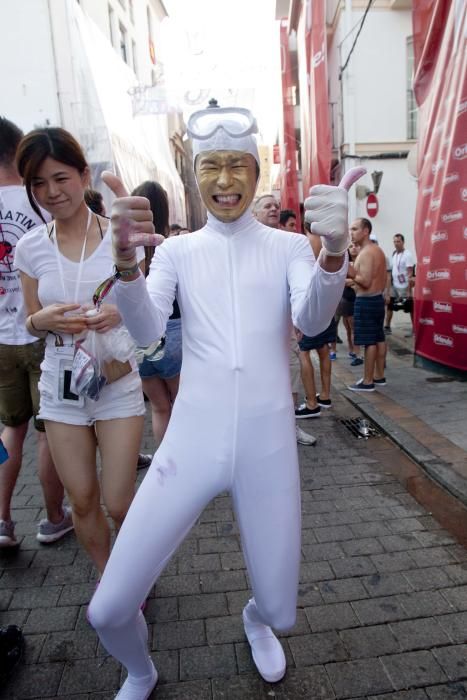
[326, 212]
[132, 225]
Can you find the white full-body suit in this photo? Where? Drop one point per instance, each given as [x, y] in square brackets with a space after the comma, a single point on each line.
[232, 427]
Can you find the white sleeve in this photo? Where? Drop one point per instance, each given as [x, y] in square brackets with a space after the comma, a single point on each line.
[409, 262]
[145, 305]
[314, 293]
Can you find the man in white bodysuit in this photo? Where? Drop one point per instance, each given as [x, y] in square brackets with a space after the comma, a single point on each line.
[238, 283]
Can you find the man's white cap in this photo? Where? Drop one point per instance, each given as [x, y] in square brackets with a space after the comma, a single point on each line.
[223, 129]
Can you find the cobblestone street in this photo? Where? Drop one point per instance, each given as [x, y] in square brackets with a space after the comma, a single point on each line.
[382, 601]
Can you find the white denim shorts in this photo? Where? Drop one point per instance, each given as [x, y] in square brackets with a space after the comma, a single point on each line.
[121, 399]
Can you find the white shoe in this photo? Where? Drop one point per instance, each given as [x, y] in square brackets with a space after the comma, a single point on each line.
[48, 532]
[139, 689]
[266, 649]
[304, 438]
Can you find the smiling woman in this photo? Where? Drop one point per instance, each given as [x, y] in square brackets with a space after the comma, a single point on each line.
[61, 265]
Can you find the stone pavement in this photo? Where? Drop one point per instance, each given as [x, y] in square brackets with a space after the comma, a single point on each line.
[382, 610]
[423, 412]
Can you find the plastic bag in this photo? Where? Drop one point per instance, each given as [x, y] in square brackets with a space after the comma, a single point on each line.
[153, 352]
[100, 359]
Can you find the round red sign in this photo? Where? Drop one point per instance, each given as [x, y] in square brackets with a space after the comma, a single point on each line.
[372, 204]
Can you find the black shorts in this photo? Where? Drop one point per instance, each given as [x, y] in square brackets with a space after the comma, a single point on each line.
[318, 341]
[369, 320]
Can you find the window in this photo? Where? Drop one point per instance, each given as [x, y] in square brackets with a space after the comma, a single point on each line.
[122, 41]
[111, 26]
[412, 111]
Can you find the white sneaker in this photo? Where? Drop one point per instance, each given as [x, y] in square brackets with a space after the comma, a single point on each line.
[304, 438]
[7, 534]
[266, 649]
[48, 532]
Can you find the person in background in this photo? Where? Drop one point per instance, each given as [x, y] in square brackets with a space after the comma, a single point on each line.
[345, 310]
[400, 282]
[95, 201]
[266, 211]
[21, 354]
[61, 265]
[369, 277]
[161, 378]
[174, 230]
[288, 220]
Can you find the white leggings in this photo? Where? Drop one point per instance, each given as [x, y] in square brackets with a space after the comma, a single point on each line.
[256, 460]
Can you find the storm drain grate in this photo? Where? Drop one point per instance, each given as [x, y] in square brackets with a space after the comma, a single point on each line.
[361, 428]
[440, 380]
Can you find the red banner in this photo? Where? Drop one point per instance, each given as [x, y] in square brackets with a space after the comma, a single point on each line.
[314, 108]
[288, 146]
[440, 227]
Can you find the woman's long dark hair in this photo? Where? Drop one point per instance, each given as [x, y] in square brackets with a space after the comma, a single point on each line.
[40, 144]
[159, 204]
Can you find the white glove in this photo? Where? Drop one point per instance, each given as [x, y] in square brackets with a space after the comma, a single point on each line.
[131, 224]
[326, 212]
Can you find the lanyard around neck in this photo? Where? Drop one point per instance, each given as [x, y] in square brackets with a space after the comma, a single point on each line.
[81, 261]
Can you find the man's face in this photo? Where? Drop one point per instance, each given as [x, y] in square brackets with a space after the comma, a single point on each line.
[398, 244]
[290, 224]
[357, 232]
[227, 182]
[267, 211]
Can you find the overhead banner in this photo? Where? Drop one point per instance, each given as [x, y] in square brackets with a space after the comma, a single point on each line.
[440, 226]
[288, 146]
[314, 102]
[319, 100]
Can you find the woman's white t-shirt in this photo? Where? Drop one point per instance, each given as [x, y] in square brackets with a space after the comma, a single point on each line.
[36, 255]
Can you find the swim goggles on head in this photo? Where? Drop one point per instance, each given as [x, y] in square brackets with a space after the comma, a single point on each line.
[235, 121]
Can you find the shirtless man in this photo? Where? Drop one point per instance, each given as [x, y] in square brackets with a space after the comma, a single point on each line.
[369, 276]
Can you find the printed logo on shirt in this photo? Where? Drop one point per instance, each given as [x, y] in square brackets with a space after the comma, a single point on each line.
[445, 340]
[13, 224]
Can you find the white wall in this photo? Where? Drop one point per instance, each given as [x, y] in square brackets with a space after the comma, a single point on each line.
[378, 65]
[28, 81]
[396, 199]
[374, 112]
